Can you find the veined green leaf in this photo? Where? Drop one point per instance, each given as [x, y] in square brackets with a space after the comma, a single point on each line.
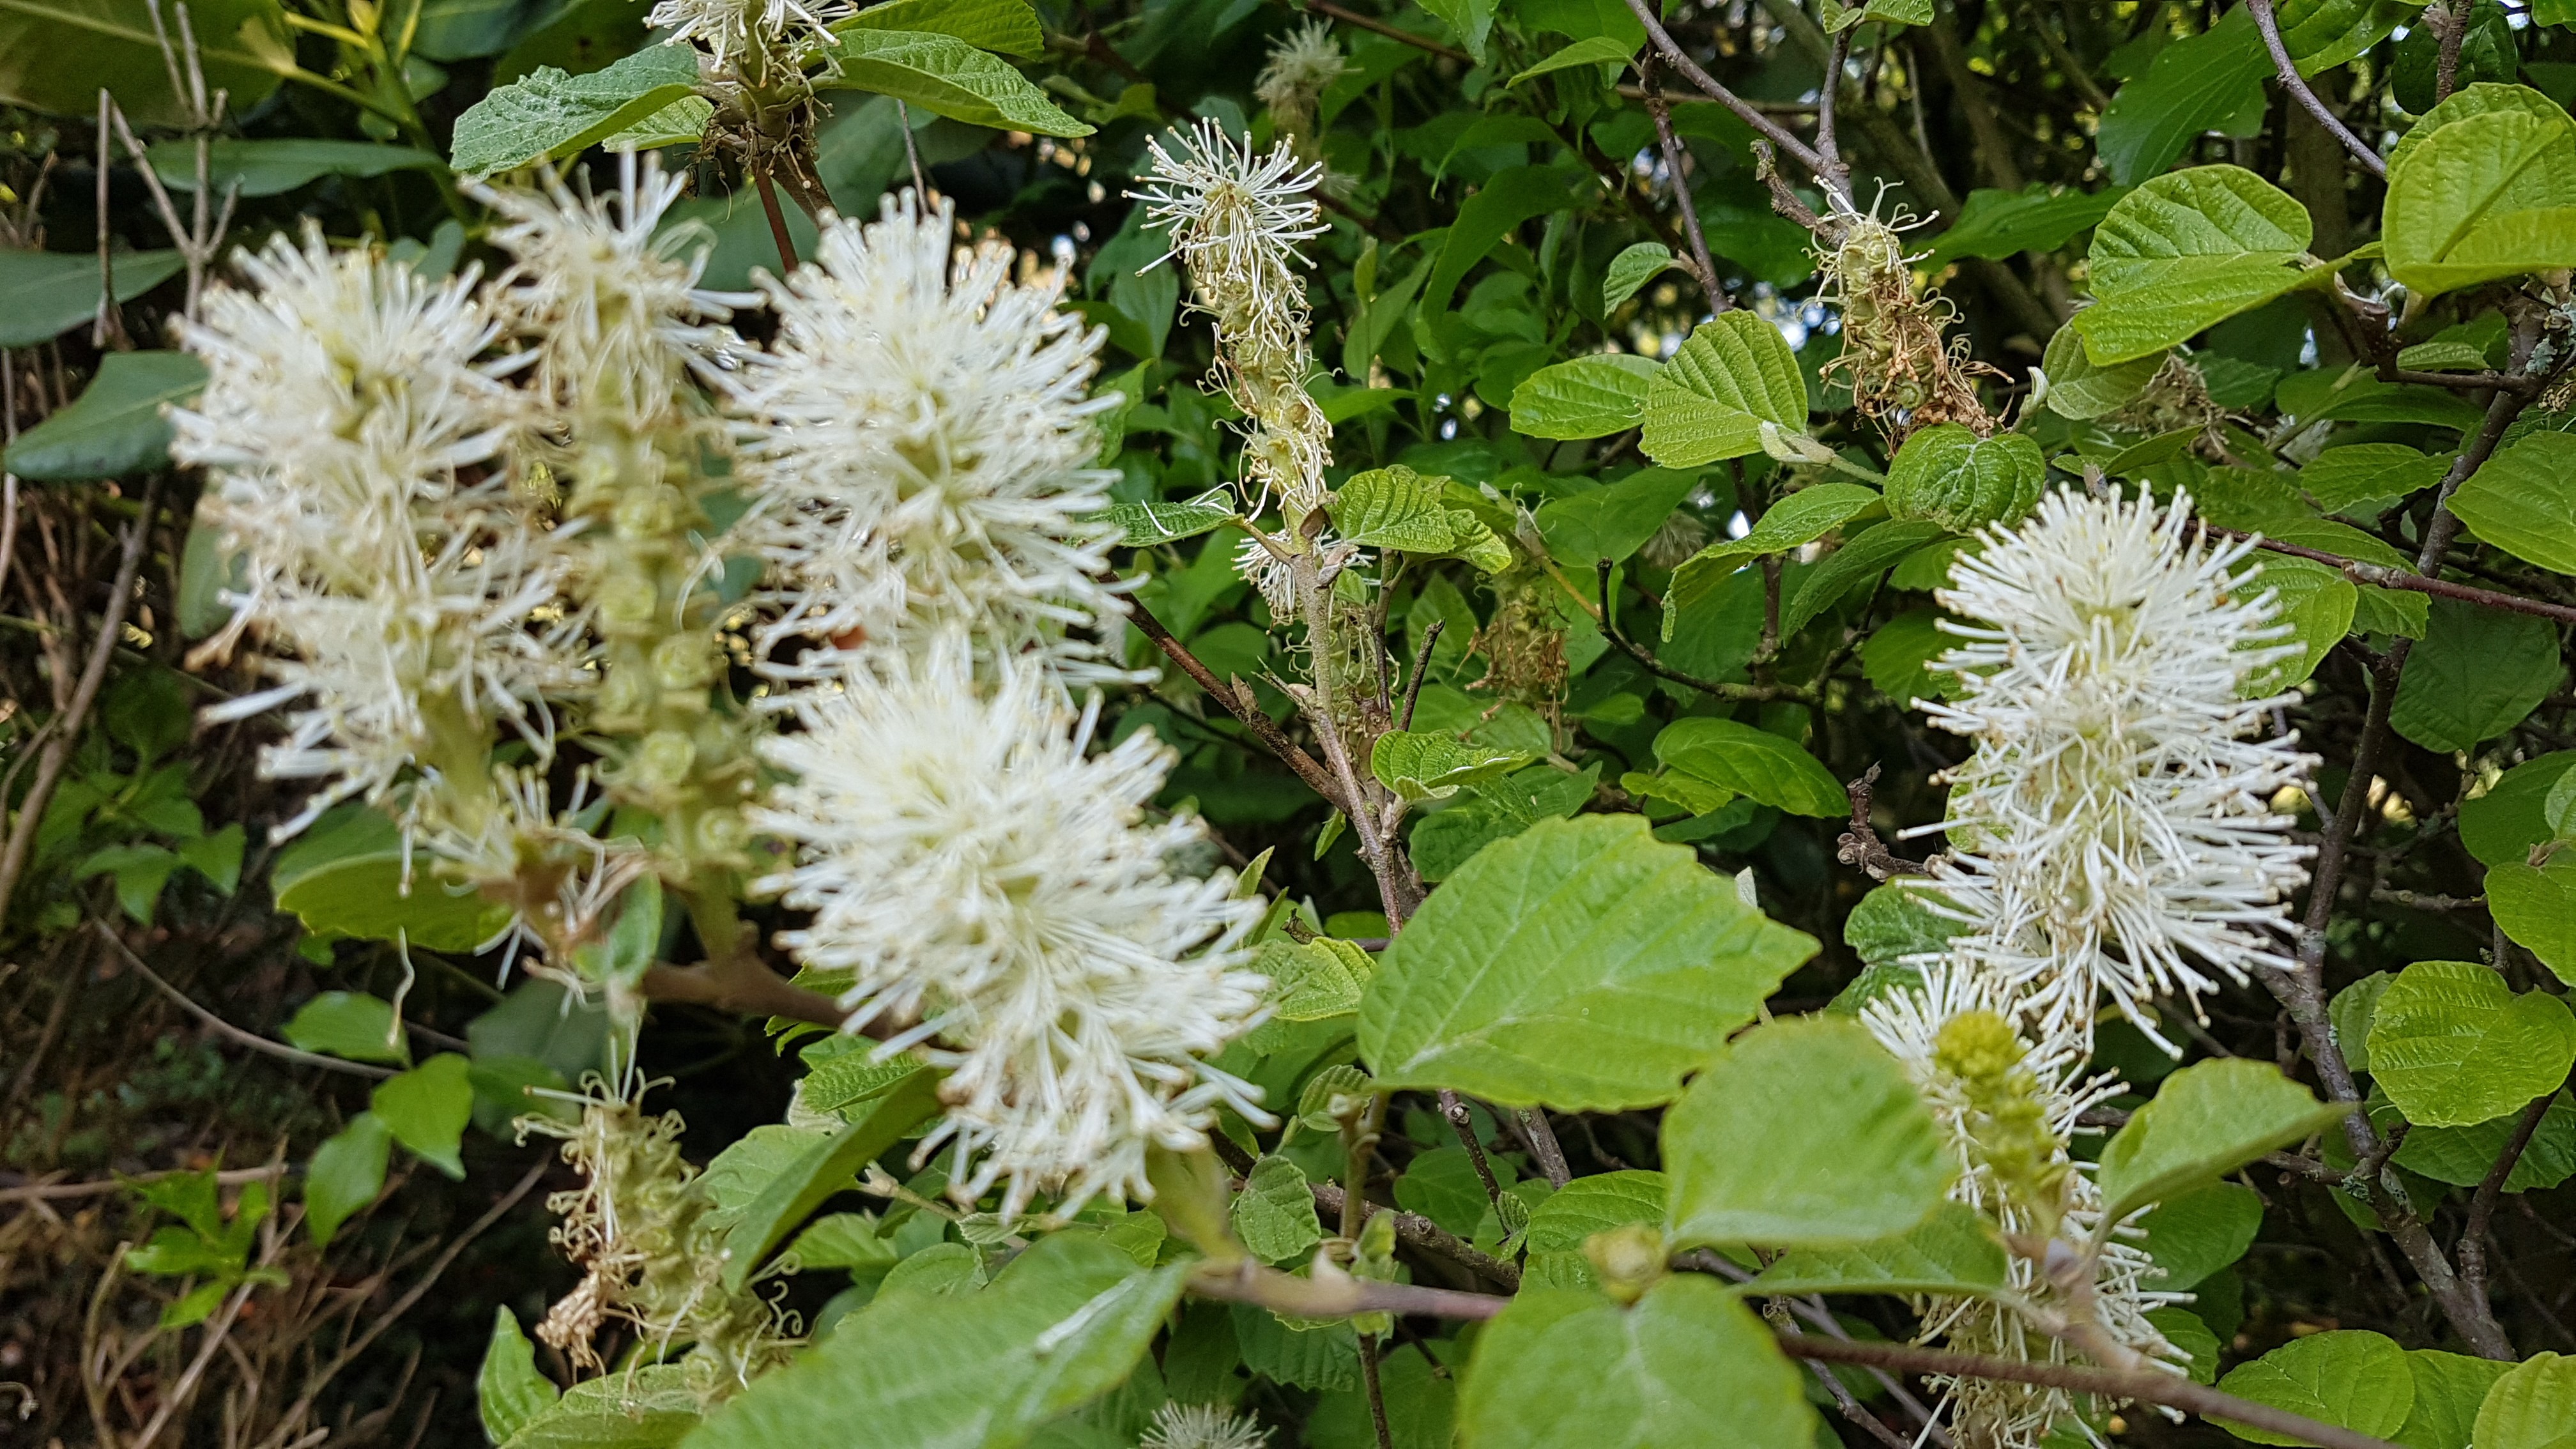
[2187, 251]
[548, 114]
[1615, 520]
[1008, 26]
[945, 75]
[1393, 507]
[2481, 198]
[2452, 1045]
[1799, 519]
[1754, 762]
[1433, 765]
[2080, 390]
[45, 294]
[2352, 1378]
[2531, 1406]
[1632, 269]
[2206, 1121]
[1709, 402]
[1953, 1251]
[1142, 525]
[509, 1390]
[1589, 397]
[2524, 501]
[1948, 475]
[1591, 50]
[1591, 1205]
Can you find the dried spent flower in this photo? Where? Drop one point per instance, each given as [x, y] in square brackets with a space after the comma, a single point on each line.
[1905, 372]
[2112, 832]
[1203, 1426]
[920, 440]
[969, 866]
[1302, 63]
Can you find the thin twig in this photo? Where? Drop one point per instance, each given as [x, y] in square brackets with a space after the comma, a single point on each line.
[1860, 847]
[1463, 1122]
[2381, 576]
[1827, 95]
[250, 1039]
[912, 154]
[1423, 1235]
[1662, 113]
[1543, 1146]
[1421, 667]
[1607, 613]
[1247, 1281]
[96, 1187]
[778, 219]
[2287, 71]
[1244, 710]
[1673, 55]
[1376, 1395]
[2472, 1251]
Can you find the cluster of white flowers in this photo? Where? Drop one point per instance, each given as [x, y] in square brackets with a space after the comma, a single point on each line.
[2112, 836]
[1203, 1426]
[753, 40]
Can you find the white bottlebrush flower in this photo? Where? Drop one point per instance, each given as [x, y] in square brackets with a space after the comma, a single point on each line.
[1302, 63]
[346, 401]
[1236, 220]
[768, 34]
[2113, 833]
[1203, 1426]
[969, 866]
[607, 300]
[921, 438]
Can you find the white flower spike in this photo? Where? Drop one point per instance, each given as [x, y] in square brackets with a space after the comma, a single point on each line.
[969, 866]
[2112, 835]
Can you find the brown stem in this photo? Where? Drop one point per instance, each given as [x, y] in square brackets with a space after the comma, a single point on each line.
[1247, 1281]
[1860, 846]
[1662, 112]
[1241, 707]
[778, 218]
[740, 981]
[1543, 1146]
[1828, 94]
[2452, 25]
[2383, 577]
[2288, 73]
[2472, 1251]
[1421, 667]
[250, 1039]
[1423, 1235]
[2152, 1386]
[1376, 1395]
[1463, 1122]
[1673, 55]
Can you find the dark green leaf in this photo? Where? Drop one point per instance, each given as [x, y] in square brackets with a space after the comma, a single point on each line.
[427, 1108]
[345, 1175]
[2476, 673]
[45, 294]
[270, 167]
[116, 426]
[509, 1390]
[1753, 763]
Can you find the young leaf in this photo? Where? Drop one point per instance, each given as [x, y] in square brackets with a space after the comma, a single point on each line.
[2536, 906]
[1008, 26]
[1689, 1364]
[2082, 391]
[1316, 979]
[2531, 1406]
[2452, 1045]
[1395, 508]
[2524, 501]
[1709, 402]
[1433, 765]
[1947, 475]
[1801, 518]
[1998, 225]
[345, 1175]
[648, 1406]
[822, 1170]
[1751, 762]
[547, 114]
[116, 426]
[509, 1390]
[1803, 1133]
[1142, 525]
[349, 1024]
[2482, 198]
[2198, 1233]
[1861, 560]
[1591, 1205]
[2349, 1377]
[1631, 270]
[945, 75]
[427, 1108]
[1591, 50]
[2206, 1121]
[1589, 397]
[1274, 1215]
[1580, 965]
[2184, 252]
[844, 1240]
[1954, 1251]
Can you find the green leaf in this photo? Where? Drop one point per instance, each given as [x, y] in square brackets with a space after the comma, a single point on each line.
[1615, 520]
[1947, 475]
[2452, 1045]
[1064, 1323]
[1441, 1183]
[427, 1108]
[648, 1406]
[2000, 224]
[547, 114]
[1433, 765]
[1709, 402]
[1316, 979]
[1592, 50]
[1589, 397]
[2340, 477]
[1470, 20]
[947, 76]
[345, 1174]
[1008, 26]
[1274, 1215]
[2206, 1121]
[2185, 252]
[2482, 198]
[2524, 501]
[2318, 604]
[2198, 1233]
[1444, 842]
[2348, 1377]
[844, 1240]
[273, 167]
[2500, 826]
[1802, 1133]
[349, 1024]
[822, 1170]
[1510, 197]
[2080, 390]
[116, 426]
[363, 894]
[509, 1390]
[1590, 1205]
[2536, 906]
[854, 1077]
[1893, 922]
[140, 870]
[2476, 673]
[1839, 17]
[57, 55]
[2207, 82]
[1142, 525]
[1861, 560]
[1631, 270]
[1393, 508]
[2449, 1387]
[1954, 1251]
[2531, 1406]
[1580, 965]
[45, 294]
[1752, 762]
[1303, 1357]
[681, 123]
[1801, 518]
[2353, 395]
[217, 857]
[1689, 1364]
[2462, 1156]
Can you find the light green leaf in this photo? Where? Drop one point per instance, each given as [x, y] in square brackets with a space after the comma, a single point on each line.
[1008, 26]
[363, 895]
[1689, 1364]
[1615, 520]
[2449, 1387]
[647, 1407]
[273, 167]
[2351, 1378]
[2198, 1233]
[118, 425]
[427, 1108]
[2524, 500]
[681, 123]
[2475, 674]
[1709, 402]
[2080, 390]
[1839, 17]
[2207, 82]
[1947, 475]
[547, 114]
[1592, 50]
[844, 1240]
[2185, 252]
[1860, 560]
[509, 1390]
[1632, 269]
[1142, 525]
[2452, 1045]
[2479, 98]
[345, 1174]
[2482, 198]
[2533, 1406]
[57, 55]
[2536, 906]
[1395, 508]
[1432, 765]
[2001, 224]
[349, 1024]
[2501, 826]
[1274, 1214]
[1893, 922]
[1470, 20]
[1753, 762]
[45, 294]
[1802, 1133]
[945, 75]
[1063, 1324]
[1316, 979]
[1580, 965]
[2316, 601]
[1589, 397]
[1801, 518]
[1591, 1205]
[2206, 1121]
[821, 1170]
[1954, 1251]
[2340, 477]
[141, 869]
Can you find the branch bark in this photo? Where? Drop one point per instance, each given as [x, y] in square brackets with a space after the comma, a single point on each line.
[2287, 71]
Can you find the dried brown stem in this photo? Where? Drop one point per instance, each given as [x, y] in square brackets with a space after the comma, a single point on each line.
[1860, 847]
[1241, 707]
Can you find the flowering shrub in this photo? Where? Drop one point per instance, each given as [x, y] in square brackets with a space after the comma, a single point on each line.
[1464, 724]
